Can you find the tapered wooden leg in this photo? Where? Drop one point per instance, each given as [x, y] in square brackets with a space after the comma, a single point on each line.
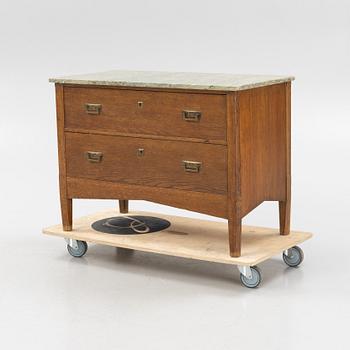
[284, 210]
[233, 175]
[123, 206]
[284, 206]
[235, 233]
[66, 203]
[67, 213]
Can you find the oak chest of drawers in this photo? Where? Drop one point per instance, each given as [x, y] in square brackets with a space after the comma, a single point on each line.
[216, 144]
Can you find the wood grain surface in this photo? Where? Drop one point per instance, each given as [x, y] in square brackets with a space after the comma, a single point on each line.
[161, 164]
[189, 238]
[160, 112]
[263, 145]
[233, 176]
[201, 202]
[242, 142]
[285, 204]
[65, 201]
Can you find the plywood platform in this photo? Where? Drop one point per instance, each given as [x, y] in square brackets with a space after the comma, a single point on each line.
[188, 238]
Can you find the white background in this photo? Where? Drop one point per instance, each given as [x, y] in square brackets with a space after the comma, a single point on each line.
[106, 300]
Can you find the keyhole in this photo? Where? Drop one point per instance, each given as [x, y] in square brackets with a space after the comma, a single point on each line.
[140, 152]
[140, 104]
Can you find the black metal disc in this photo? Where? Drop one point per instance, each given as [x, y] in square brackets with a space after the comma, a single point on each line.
[130, 225]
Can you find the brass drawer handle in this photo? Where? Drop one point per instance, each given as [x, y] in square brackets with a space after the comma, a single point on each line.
[191, 167]
[93, 108]
[94, 157]
[191, 116]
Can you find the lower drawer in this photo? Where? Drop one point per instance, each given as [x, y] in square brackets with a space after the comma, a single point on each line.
[169, 164]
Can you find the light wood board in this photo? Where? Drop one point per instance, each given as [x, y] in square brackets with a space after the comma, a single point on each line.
[188, 238]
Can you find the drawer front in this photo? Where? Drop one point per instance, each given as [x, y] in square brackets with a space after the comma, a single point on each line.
[168, 164]
[188, 115]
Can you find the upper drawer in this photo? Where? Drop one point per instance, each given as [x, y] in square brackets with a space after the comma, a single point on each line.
[146, 112]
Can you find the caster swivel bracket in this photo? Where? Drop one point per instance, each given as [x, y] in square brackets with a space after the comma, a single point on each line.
[72, 243]
[246, 271]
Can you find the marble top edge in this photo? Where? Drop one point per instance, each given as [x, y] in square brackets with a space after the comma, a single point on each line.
[175, 80]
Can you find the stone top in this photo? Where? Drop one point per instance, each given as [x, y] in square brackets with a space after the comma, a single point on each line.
[175, 80]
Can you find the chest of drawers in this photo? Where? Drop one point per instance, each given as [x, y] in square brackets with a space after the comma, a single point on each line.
[212, 143]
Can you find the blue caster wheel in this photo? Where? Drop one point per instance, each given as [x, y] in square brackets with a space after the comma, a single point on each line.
[254, 280]
[78, 251]
[294, 257]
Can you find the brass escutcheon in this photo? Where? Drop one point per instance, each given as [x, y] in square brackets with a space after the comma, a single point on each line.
[140, 152]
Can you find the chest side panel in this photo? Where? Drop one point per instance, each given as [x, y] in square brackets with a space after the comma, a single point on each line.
[263, 145]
